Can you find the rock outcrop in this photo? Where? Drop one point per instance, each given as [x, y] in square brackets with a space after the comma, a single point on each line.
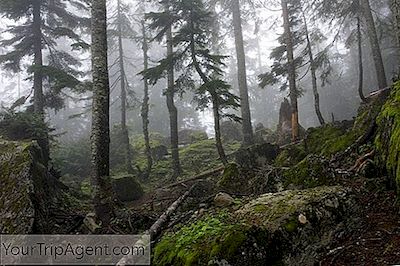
[287, 228]
[24, 187]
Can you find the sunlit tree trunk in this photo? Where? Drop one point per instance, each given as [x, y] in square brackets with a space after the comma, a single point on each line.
[242, 76]
[313, 74]
[124, 129]
[173, 112]
[373, 38]
[100, 137]
[145, 105]
[291, 71]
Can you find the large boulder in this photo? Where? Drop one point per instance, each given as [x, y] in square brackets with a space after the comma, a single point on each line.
[127, 188]
[293, 227]
[24, 188]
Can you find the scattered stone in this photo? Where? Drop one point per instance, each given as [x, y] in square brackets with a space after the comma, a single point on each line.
[302, 219]
[223, 200]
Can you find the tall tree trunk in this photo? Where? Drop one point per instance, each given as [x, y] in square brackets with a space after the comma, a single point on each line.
[215, 103]
[395, 7]
[242, 76]
[173, 112]
[100, 137]
[38, 98]
[291, 71]
[373, 38]
[313, 73]
[124, 129]
[145, 105]
[360, 61]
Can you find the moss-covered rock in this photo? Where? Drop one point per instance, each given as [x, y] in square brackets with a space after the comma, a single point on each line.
[387, 141]
[23, 187]
[287, 228]
[311, 172]
[127, 188]
[290, 155]
[231, 179]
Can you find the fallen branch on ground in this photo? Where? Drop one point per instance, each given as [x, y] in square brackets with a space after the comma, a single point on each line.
[156, 228]
[197, 177]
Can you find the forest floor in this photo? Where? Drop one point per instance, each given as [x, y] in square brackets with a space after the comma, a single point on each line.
[376, 241]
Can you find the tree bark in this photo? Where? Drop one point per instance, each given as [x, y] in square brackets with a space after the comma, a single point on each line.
[38, 97]
[242, 76]
[360, 61]
[395, 7]
[214, 96]
[373, 38]
[100, 137]
[313, 74]
[145, 105]
[173, 112]
[291, 71]
[217, 129]
[124, 129]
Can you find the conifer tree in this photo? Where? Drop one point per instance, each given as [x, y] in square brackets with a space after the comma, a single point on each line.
[193, 56]
[45, 22]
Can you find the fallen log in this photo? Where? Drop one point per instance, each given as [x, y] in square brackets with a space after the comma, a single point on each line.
[197, 177]
[156, 228]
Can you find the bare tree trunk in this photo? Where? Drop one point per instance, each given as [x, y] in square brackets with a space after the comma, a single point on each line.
[395, 7]
[173, 112]
[145, 105]
[124, 129]
[373, 38]
[38, 98]
[100, 137]
[38, 101]
[360, 61]
[313, 74]
[216, 114]
[291, 71]
[242, 76]
[217, 129]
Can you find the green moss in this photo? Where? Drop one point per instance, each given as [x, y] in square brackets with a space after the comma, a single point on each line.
[260, 208]
[230, 178]
[328, 140]
[387, 141]
[211, 237]
[291, 155]
[291, 225]
[309, 173]
[230, 235]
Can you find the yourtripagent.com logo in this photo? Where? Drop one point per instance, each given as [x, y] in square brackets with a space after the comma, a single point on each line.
[74, 249]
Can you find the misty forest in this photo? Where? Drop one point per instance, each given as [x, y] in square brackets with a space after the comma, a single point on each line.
[233, 132]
